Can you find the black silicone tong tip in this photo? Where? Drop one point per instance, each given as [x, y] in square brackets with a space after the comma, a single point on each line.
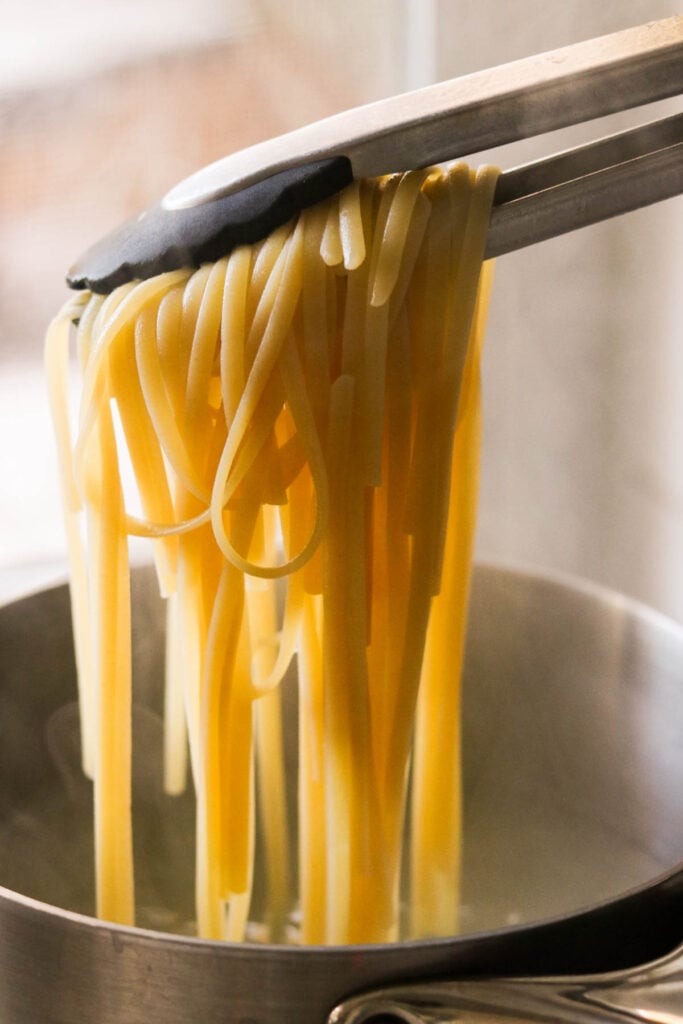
[174, 239]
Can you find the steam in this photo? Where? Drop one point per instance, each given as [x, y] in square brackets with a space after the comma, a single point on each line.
[46, 837]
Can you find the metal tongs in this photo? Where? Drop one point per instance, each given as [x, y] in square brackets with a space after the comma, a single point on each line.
[245, 196]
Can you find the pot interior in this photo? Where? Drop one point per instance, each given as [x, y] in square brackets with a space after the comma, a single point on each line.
[572, 722]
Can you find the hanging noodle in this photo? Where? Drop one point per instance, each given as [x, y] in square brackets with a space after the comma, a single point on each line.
[303, 423]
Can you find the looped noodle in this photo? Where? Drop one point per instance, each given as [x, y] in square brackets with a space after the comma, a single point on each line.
[302, 419]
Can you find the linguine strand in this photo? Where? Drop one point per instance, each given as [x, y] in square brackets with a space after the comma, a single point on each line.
[303, 421]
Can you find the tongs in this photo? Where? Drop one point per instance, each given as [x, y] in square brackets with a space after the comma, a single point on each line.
[242, 198]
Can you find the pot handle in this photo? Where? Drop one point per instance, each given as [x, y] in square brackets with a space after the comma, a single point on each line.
[651, 994]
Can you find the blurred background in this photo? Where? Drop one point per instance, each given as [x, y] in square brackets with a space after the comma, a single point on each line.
[105, 104]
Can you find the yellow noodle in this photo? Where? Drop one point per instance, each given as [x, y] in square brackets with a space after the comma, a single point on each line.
[233, 329]
[351, 227]
[89, 318]
[394, 232]
[311, 781]
[271, 348]
[236, 761]
[110, 622]
[331, 248]
[303, 422]
[203, 358]
[397, 442]
[457, 342]
[436, 807]
[175, 720]
[265, 257]
[261, 606]
[57, 367]
[212, 797]
[145, 456]
[135, 298]
[315, 319]
[160, 411]
[93, 342]
[411, 251]
[337, 713]
[192, 641]
[169, 333]
[193, 294]
[288, 262]
[371, 397]
[272, 788]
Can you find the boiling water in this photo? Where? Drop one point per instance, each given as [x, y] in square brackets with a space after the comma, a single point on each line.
[572, 764]
[46, 840]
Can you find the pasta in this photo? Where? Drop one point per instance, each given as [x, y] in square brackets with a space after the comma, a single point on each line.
[302, 419]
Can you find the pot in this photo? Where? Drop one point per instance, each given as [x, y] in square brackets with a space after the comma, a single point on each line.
[573, 769]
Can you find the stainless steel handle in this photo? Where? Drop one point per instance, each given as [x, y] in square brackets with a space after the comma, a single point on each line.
[469, 114]
[652, 994]
[586, 200]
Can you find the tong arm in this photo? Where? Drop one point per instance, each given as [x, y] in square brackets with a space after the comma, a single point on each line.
[586, 185]
[466, 115]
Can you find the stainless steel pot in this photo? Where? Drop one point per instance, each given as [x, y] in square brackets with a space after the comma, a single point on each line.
[573, 725]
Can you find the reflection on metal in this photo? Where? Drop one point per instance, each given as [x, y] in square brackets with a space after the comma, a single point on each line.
[652, 994]
[573, 775]
[467, 115]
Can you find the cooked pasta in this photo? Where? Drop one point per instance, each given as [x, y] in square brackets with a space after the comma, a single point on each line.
[302, 419]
